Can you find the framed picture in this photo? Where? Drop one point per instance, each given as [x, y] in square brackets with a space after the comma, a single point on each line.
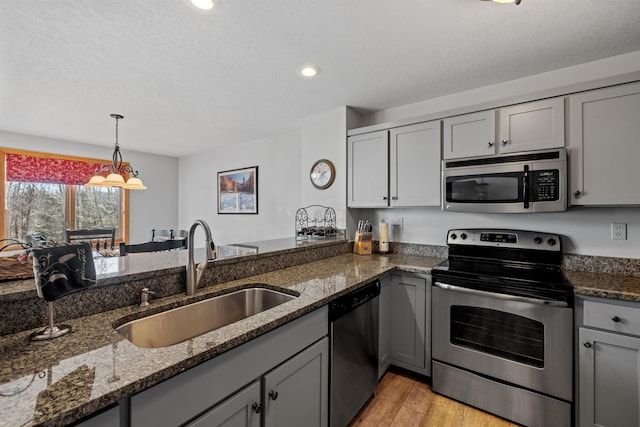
[238, 191]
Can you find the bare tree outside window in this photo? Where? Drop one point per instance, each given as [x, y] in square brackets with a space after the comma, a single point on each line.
[38, 208]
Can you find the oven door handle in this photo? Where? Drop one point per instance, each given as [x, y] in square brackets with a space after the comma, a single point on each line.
[506, 297]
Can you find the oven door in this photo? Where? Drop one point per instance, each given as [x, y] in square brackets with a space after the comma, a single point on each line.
[522, 341]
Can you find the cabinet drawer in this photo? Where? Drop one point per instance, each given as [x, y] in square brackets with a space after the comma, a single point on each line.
[612, 317]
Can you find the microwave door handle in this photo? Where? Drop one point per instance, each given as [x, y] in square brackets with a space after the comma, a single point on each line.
[525, 187]
[498, 295]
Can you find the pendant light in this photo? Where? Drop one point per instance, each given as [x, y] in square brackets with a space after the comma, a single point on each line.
[116, 170]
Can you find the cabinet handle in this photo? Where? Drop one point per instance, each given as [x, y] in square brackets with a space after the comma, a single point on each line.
[385, 198]
[505, 141]
[616, 319]
[577, 194]
[394, 198]
[587, 344]
[273, 394]
[490, 144]
[257, 408]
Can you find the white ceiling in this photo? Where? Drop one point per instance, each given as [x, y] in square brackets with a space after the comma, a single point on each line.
[187, 81]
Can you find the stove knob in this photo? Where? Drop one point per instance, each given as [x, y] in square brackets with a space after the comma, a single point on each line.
[551, 242]
[463, 236]
[537, 240]
[453, 236]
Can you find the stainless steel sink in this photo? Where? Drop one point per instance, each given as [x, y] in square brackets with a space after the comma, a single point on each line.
[182, 323]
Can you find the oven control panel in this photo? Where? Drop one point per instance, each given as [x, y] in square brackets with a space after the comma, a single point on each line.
[504, 238]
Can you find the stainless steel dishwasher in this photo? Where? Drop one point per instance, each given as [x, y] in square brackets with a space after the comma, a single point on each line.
[354, 352]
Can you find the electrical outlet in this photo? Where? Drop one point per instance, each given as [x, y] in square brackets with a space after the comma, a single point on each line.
[618, 231]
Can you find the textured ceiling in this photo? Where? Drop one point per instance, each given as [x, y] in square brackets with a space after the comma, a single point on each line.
[186, 80]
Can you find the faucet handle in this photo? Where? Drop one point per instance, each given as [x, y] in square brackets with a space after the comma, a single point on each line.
[144, 297]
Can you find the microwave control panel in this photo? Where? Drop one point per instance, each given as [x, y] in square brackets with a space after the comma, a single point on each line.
[545, 185]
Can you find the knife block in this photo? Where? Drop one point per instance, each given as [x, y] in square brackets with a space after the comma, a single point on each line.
[364, 248]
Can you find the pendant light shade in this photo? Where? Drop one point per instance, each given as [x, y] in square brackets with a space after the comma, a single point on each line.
[117, 171]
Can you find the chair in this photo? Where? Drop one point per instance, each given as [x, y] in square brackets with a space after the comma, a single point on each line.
[90, 235]
[165, 245]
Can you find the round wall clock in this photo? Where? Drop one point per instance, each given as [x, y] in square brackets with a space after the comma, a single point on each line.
[322, 174]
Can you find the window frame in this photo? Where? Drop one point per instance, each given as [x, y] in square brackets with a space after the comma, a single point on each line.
[69, 189]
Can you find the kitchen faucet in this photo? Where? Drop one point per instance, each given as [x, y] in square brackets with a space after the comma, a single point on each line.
[194, 274]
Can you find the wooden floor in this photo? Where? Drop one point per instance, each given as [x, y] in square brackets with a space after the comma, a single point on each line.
[403, 401]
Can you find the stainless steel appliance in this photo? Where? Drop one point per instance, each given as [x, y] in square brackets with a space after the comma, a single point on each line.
[502, 316]
[354, 352]
[533, 181]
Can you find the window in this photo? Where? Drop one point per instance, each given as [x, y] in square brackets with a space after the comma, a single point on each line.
[45, 194]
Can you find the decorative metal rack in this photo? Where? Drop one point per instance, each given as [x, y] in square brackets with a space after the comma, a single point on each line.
[315, 222]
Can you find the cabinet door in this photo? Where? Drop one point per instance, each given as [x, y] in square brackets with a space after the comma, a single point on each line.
[384, 337]
[240, 410]
[296, 393]
[470, 135]
[532, 126]
[604, 149]
[609, 367]
[368, 170]
[415, 165]
[408, 314]
[108, 418]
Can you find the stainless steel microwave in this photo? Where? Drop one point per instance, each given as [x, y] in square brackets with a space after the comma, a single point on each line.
[534, 181]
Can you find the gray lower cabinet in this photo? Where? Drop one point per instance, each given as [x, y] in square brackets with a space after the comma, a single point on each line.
[241, 410]
[407, 305]
[608, 355]
[108, 418]
[292, 361]
[384, 337]
[295, 393]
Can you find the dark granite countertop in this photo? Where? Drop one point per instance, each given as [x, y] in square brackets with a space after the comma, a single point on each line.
[59, 382]
[604, 285]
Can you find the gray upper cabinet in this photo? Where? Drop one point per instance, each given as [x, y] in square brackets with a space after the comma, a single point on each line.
[368, 170]
[604, 146]
[531, 126]
[415, 165]
[469, 135]
[397, 167]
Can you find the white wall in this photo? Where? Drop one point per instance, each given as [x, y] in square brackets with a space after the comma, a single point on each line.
[156, 207]
[278, 161]
[323, 137]
[284, 162]
[587, 229]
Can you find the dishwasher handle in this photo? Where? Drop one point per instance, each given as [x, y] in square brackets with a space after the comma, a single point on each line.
[351, 301]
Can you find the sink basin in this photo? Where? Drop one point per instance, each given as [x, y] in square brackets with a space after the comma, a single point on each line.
[182, 323]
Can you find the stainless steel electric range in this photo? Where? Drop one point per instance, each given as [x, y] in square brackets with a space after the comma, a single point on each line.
[502, 334]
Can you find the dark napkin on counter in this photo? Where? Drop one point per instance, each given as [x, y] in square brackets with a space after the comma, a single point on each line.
[62, 270]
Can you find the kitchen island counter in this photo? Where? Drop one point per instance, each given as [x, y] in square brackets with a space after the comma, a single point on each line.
[64, 380]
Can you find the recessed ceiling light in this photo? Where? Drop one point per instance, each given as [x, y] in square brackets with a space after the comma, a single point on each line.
[203, 4]
[308, 70]
[505, 1]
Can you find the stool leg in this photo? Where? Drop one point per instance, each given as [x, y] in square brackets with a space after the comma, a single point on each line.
[51, 331]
